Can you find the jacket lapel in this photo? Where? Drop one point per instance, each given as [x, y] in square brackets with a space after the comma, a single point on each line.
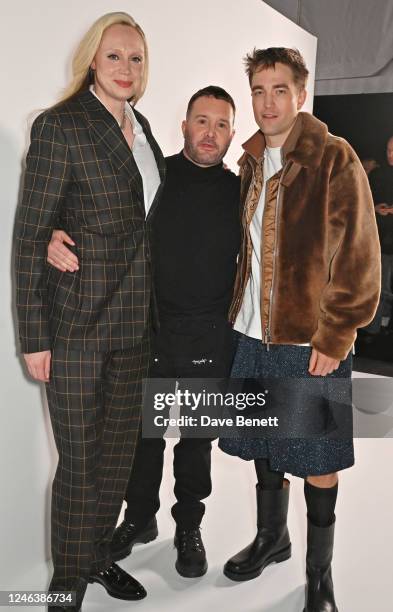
[107, 134]
[303, 147]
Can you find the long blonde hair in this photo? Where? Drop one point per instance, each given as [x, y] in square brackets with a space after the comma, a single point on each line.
[87, 49]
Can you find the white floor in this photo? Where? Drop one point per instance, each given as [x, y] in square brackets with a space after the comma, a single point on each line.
[363, 569]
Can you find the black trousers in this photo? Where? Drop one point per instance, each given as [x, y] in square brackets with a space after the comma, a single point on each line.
[95, 407]
[197, 348]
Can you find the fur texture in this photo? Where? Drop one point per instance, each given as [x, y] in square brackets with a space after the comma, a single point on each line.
[320, 247]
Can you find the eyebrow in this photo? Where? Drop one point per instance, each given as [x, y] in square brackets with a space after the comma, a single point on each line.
[201, 116]
[118, 49]
[278, 86]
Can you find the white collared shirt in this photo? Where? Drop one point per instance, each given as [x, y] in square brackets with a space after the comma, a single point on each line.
[143, 155]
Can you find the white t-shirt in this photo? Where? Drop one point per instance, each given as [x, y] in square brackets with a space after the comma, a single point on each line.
[248, 321]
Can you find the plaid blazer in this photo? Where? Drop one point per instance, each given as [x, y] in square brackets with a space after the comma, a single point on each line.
[81, 176]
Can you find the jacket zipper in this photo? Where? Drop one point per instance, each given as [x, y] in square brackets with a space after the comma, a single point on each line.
[265, 330]
[267, 334]
[240, 296]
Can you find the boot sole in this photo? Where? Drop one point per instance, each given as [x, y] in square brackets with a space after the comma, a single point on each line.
[189, 573]
[145, 538]
[283, 555]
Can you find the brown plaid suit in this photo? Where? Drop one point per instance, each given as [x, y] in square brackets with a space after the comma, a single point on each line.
[81, 176]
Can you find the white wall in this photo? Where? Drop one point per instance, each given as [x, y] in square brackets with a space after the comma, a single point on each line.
[192, 44]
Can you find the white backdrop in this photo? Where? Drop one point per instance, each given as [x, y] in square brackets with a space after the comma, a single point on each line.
[192, 44]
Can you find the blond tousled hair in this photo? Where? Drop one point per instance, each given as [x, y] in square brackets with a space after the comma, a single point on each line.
[87, 49]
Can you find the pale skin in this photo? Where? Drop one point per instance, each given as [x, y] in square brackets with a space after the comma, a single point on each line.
[208, 131]
[118, 71]
[384, 209]
[276, 101]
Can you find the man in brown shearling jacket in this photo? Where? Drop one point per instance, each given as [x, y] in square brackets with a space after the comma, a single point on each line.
[308, 276]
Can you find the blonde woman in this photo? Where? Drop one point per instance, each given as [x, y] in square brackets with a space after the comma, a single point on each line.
[95, 170]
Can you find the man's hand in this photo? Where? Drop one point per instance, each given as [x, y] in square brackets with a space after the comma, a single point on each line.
[384, 209]
[59, 255]
[38, 365]
[321, 364]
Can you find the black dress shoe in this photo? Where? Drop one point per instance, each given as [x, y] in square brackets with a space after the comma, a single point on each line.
[118, 583]
[127, 534]
[191, 556]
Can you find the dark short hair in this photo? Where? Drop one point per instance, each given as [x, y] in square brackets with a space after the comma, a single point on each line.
[261, 59]
[212, 91]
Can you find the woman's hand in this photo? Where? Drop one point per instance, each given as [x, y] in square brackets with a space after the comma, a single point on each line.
[384, 209]
[59, 255]
[38, 365]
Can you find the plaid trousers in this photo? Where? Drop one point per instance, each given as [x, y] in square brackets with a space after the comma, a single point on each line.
[95, 406]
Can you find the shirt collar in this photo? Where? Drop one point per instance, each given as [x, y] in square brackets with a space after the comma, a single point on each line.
[136, 127]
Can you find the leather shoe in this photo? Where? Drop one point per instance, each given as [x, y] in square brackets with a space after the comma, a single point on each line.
[118, 583]
[191, 555]
[127, 534]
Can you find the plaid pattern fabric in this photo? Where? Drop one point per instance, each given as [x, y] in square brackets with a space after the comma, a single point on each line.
[95, 405]
[81, 176]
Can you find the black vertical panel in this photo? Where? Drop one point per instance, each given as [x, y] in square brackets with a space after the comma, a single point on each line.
[365, 120]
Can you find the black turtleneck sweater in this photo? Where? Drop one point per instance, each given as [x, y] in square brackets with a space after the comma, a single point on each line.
[196, 239]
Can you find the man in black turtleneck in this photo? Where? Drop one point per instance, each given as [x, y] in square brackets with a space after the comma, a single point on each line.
[195, 244]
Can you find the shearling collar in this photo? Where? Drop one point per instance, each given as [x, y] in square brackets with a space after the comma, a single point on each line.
[304, 146]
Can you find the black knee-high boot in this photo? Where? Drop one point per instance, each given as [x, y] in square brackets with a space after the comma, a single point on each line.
[320, 541]
[271, 544]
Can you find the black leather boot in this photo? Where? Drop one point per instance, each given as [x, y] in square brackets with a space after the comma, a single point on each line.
[271, 544]
[191, 555]
[127, 534]
[319, 589]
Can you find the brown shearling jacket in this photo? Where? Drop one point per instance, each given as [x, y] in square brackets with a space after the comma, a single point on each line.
[320, 254]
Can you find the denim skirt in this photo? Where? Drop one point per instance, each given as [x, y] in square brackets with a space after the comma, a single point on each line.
[300, 456]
